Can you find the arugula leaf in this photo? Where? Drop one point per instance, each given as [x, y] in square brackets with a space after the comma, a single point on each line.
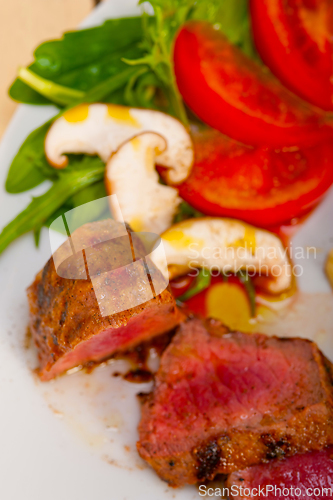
[250, 290]
[87, 213]
[157, 43]
[202, 281]
[70, 181]
[83, 58]
[30, 167]
[88, 194]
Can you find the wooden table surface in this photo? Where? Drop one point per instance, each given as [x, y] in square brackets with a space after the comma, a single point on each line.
[24, 24]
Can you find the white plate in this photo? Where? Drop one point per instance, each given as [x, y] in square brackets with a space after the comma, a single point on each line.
[74, 438]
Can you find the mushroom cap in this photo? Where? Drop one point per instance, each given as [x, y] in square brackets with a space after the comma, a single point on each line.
[102, 128]
[228, 245]
[144, 203]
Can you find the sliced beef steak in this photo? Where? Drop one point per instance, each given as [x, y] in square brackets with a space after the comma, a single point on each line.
[225, 401]
[305, 476]
[91, 301]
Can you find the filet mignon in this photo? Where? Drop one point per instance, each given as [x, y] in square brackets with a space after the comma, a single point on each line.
[225, 401]
[110, 306]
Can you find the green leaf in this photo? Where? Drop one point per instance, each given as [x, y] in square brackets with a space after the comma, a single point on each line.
[85, 213]
[21, 92]
[37, 232]
[186, 211]
[83, 58]
[159, 33]
[146, 92]
[30, 167]
[88, 194]
[56, 93]
[232, 17]
[129, 93]
[250, 290]
[202, 281]
[108, 87]
[70, 181]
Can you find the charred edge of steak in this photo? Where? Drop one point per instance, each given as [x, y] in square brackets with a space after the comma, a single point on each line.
[276, 448]
[208, 459]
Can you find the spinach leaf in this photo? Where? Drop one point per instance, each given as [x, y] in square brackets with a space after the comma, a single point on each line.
[107, 88]
[59, 94]
[30, 167]
[21, 92]
[83, 58]
[71, 180]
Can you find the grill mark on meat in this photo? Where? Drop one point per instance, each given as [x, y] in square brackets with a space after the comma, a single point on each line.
[63, 314]
[208, 460]
[276, 448]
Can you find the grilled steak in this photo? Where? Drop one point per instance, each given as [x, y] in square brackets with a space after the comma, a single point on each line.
[305, 476]
[226, 401]
[72, 308]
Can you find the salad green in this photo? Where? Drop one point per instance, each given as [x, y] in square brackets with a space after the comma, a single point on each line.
[125, 61]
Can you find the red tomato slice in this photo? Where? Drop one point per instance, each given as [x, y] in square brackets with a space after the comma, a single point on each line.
[237, 96]
[261, 186]
[294, 39]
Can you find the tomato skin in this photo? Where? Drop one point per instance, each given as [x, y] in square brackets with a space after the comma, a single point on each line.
[235, 95]
[296, 51]
[260, 186]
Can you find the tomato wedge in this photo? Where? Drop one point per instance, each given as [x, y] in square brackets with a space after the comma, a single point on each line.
[261, 186]
[237, 96]
[294, 39]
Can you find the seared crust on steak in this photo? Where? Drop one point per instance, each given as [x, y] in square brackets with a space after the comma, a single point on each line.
[65, 318]
[225, 401]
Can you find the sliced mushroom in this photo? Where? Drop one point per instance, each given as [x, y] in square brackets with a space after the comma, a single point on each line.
[130, 173]
[101, 129]
[228, 246]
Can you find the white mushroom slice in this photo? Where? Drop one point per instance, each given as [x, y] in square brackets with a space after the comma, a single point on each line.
[101, 129]
[228, 246]
[144, 203]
